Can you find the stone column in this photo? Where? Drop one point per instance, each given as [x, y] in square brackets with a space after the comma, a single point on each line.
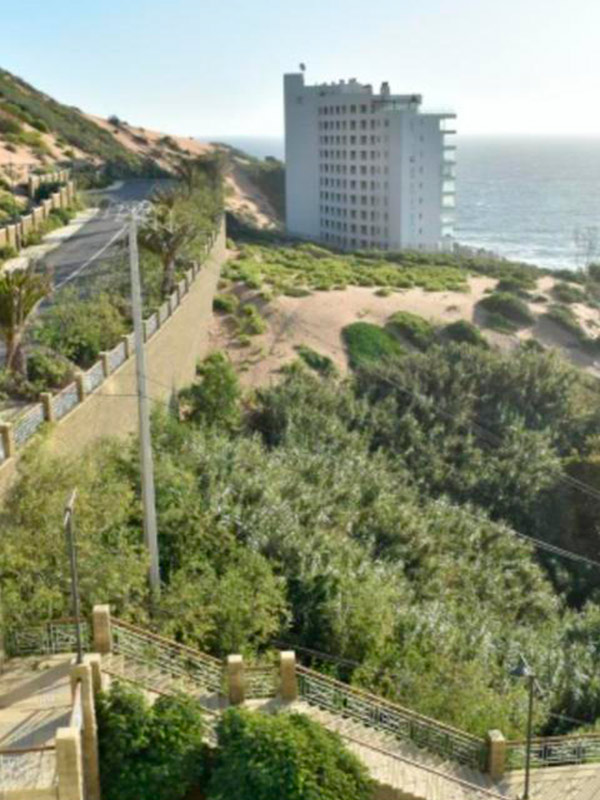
[126, 346]
[235, 679]
[46, 401]
[69, 764]
[82, 674]
[496, 754]
[104, 357]
[102, 633]
[80, 381]
[288, 683]
[8, 440]
[94, 661]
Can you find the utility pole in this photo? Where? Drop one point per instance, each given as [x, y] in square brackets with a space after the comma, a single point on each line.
[72, 548]
[148, 495]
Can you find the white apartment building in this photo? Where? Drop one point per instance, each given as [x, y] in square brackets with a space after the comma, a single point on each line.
[367, 170]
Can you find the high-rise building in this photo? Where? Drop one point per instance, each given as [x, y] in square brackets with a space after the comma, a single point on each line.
[367, 170]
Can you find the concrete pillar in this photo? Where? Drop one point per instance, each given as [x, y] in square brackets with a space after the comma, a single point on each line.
[46, 401]
[11, 236]
[82, 674]
[55, 198]
[235, 680]
[3, 237]
[80, 382]
[496, 754]
[126, 346]
[8, 439]
[288, 683]
[64, 197]
[94, 661]
[69, 764]
[104, 357]
[47, 207]
[102, 633]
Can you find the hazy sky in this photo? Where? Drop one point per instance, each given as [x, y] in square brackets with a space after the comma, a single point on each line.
[209, 67]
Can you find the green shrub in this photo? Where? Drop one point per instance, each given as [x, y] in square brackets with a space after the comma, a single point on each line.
[9, 125]
[366, 343]
[47, 370]
[272, 757]
[214, 399]
[567, 293]
[316, 361]
[567, 319]
[227, 303]
[80, 329]
[500, 323]
[464, 331]
[148, 752]
[508, 306]
[385, 291]
[415, 329]
[250, 320]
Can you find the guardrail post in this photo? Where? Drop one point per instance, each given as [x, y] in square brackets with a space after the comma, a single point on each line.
[105, 359]
[80, 382]
[69, 764]
[46, 401]
[8, 439]
[496, 754]
[126, 347]
[288, 683]
[235, 680]
[83, 673]
[101, 629]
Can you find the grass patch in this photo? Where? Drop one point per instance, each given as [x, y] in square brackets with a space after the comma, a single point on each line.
[316, 361]
[415, 329]
[226, 303]
[464, 332]
[250, 321]
[566, 318]
[567, 293]
[366, 343]
[509, 306]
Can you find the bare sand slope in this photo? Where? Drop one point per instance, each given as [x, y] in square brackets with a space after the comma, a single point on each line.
[317, 322]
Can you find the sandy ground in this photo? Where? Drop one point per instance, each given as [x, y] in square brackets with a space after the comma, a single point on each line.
[317, 321]
[243, 198]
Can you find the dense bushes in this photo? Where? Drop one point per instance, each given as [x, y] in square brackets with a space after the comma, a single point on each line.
[508, 306]
[568, 293]
[415, 329]
[148, 752]
[263, 757]
[463, 331]
[366, 342]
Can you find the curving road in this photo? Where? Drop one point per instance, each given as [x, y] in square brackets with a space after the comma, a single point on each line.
[95, 239]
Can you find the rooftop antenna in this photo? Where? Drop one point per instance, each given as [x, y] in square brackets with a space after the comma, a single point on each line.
[302, 67]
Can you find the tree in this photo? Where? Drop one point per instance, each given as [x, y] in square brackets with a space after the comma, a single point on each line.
[148, 752]
[263, 757]
[167, 235]
[21, 290]
[215, 399]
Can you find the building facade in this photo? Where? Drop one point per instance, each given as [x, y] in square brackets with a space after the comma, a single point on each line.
[367, 170]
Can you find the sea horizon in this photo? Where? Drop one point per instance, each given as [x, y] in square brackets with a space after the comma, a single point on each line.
[520, 196]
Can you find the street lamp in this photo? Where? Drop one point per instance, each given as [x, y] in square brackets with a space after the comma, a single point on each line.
[72, 548]
[524, 671]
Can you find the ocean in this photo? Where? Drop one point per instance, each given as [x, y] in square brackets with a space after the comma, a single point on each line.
[522, 198]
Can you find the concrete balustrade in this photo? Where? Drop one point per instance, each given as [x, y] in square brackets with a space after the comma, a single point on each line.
[496, 754]
[69, 764]
[101, 630]
[8, 440]
[81, 675]
[288, 682]
[235, 680]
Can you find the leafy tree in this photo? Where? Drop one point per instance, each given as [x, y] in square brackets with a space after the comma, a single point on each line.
[262, 757]
[148, 752]
[21, 291]
[215, 398]
[167, 235]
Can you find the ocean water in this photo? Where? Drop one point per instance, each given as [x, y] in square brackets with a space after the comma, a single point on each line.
[523, 198]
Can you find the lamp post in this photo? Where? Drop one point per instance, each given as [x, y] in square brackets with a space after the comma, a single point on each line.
[524, 671]
[72, 548]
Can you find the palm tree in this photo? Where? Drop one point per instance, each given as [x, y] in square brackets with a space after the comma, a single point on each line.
[21, 290]
[166, 235]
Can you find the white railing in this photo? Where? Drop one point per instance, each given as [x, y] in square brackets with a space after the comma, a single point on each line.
[59, 636]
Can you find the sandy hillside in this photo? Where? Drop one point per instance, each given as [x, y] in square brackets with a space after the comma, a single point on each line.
[317, 321]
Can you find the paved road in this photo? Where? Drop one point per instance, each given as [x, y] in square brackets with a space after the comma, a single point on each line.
[79, 253]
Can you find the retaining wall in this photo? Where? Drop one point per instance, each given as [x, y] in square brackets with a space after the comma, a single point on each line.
[103, 401]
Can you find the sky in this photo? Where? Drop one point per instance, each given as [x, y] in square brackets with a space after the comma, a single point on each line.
[212, 68]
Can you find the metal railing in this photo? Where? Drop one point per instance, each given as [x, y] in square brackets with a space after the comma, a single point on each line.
[260, 682]
[58, 636]
[552, 751]
[384, 715]
[151, 650]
